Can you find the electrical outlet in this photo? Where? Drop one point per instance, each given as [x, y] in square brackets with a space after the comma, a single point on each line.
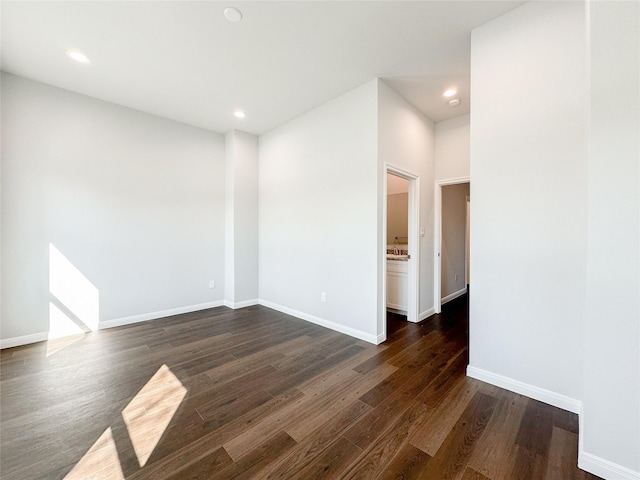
[323, 296]
[212, 284]
[456, 277]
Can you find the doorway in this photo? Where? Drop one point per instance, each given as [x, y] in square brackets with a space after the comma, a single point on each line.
[397, 244]
[451, 242]
[400, 250]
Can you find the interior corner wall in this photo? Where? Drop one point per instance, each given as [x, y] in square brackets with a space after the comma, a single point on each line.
[318, 218]
[406, 140]
[610, 444]
[229, 217]
[133, 201]
[452, 148]
[529, 196]
[241, 219]
[454, 225]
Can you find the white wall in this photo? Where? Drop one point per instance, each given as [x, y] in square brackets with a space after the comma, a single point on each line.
[406, 140]
[321, 207]
[529, 198]
[611, 416]
[241, 219]
[135, 202]
[318, 186]
[454, 225]
[452, 148]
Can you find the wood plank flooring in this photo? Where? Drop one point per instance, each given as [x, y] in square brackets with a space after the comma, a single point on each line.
[257, 394]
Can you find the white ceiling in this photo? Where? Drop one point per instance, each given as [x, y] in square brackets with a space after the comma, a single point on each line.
[183, 60]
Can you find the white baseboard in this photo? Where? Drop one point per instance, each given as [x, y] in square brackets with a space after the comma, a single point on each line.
[118, 322]
[243, 304]
[604, 468]
[597, 465]
[421, 316]
[397, 308]
[453, 296]
[367, 337]
[24, 340]
[426, 314]
[547, 396]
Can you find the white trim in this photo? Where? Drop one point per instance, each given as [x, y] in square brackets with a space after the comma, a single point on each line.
[118, 322]
[367, 337]
[597, 465]
[547, 396]
[453, 181]
[580, 432]
[24, 340]
[604, 468]
[467, 238]
[437, 237]
[421, 316]
[401, 309]
[243, 304]
[437, 246]
[426, 314]
[453, 296]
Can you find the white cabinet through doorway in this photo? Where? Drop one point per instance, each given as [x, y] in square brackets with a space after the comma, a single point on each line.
[397, 285]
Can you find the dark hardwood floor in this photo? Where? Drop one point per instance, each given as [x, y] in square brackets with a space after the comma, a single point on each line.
[257, 394]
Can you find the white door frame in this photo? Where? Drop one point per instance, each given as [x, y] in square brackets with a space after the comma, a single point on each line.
[437, 240]
[413, 243]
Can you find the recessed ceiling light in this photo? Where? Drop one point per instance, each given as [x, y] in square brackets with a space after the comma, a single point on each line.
[78, 56]
[239, 114]
[233, 14]
[454, 102]
[450, 93]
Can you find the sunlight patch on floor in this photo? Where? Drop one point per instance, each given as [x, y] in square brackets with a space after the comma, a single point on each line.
[63, 331]
[101, 462]
[150, 411]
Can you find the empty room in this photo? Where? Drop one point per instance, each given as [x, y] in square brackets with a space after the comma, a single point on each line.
[209, 271]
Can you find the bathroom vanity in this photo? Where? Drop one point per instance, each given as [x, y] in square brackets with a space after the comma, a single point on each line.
[397, 284]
